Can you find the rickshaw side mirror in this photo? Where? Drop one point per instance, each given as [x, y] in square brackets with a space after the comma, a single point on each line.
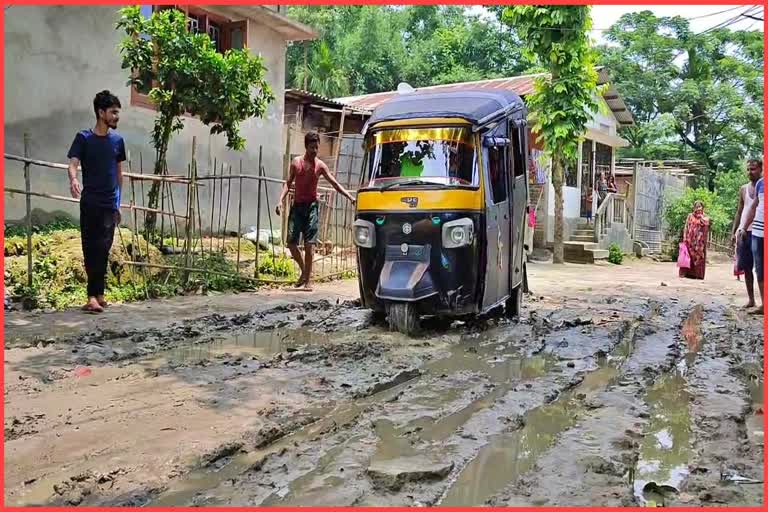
[493, 142]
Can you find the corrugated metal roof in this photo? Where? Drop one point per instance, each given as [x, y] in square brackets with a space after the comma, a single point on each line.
[309, 96]
[520, 85]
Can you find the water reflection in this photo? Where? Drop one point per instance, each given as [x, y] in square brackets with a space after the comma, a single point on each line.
[666, 447]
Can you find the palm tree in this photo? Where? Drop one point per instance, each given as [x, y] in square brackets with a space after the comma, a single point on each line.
[322, 74]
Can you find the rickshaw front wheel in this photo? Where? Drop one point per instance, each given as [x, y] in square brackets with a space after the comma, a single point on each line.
[403, 318]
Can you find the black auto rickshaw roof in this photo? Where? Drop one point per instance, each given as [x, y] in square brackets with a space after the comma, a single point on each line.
[474, 106]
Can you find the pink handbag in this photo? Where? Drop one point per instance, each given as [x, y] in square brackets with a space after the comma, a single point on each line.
[683, 258]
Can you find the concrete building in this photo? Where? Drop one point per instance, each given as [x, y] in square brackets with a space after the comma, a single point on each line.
[58, 57]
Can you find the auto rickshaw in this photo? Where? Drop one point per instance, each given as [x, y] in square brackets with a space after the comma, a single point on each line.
[441, 216]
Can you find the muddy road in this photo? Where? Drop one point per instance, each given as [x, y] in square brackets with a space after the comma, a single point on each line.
[641, 393]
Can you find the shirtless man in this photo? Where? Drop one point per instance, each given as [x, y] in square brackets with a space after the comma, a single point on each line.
[305, 173]
[743, 244]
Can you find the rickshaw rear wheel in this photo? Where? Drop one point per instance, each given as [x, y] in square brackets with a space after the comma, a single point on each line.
[378, 317]
[403, 318]
[514, 306]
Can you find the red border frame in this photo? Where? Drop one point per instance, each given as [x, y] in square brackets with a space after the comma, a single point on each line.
[320, 2]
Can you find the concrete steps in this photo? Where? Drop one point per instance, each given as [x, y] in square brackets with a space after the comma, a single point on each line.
[583, 252]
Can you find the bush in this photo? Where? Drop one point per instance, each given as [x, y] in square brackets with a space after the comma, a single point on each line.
[615, 254]
[678, 210]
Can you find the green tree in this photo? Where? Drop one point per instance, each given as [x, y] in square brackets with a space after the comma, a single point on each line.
[376, 47]
[183, 73]
[322, 75]
[556, 37]
[692, 94]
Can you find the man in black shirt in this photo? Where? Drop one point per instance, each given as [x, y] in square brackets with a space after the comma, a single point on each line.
[100, 153]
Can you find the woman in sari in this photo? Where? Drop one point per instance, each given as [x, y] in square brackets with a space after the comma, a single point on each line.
[695, 237]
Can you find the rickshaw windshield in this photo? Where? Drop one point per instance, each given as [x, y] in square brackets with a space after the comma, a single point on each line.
[442, 157]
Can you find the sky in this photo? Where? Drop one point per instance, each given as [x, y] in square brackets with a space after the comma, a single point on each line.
[702, 17]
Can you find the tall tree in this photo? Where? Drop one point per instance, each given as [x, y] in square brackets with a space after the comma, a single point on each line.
[557, 38]
[376, 47]
[692, 94]
[322, 74]
[183, 73]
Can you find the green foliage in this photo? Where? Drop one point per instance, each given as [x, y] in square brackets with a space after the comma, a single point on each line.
[692, 95]
[677, 212]
[615, 254]
[182, 72]
[557, 38]
[565, 100]
[276, 266]
[57, 224]
[727, 185]
[376, 47]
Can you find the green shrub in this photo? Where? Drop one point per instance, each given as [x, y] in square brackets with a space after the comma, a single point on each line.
[678, 210]
[615, 254]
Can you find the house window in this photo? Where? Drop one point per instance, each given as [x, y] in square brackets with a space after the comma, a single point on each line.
[497, 158]
[225, 34]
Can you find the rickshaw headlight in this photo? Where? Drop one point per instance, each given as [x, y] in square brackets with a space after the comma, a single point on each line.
[365, 234]
[458, 233]
[457, 236]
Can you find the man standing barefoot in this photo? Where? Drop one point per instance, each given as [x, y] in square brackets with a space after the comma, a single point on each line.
[756, 217]
[743, 243]
[305, 173]
[100, 152]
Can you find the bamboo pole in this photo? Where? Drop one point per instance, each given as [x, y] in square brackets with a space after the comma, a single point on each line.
[239, 216]
[201, 271]
[221, 206]
[213, 204]
[226, 214]
[190, 211]
[28, 198]
[136, 243]
[258, 220]
[65, 167]
[71, 200]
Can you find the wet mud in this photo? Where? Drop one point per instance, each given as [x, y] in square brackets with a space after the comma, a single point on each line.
[590, 399]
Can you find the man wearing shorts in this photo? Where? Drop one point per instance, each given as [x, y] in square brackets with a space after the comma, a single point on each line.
[744, 260]
[305, 172]
[756, 217]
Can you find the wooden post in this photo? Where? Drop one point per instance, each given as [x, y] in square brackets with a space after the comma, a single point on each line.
[239, 214]
[213, 203]
[286, 170]
[337, 174]
[634, 199]
[28, 188]
[192, 192]
[258, 220]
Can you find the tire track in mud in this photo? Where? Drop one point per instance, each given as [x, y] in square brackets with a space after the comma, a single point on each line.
[726, 391]
[591, 463]
[657, 434]
[396, 446]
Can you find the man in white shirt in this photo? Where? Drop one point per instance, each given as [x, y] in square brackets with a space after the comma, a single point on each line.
[756, 217]
[744, 260]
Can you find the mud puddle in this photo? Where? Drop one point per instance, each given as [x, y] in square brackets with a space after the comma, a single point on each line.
[261, 344]
[755, 420]
[509, 455]
[666, 446]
